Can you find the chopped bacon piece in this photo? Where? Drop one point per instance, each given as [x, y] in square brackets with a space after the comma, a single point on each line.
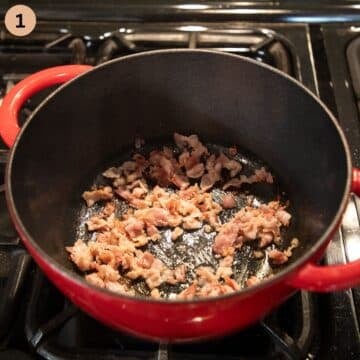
[252, 280]
[80, 254]
[260, 175]
[119, 288]
[224, 270]
[249, 224]
[146, 260]
[176, 233]
[228, 201]
[188, 293]
[113, 173]
[107, 273]
[232, 283]
[153, 216]
[196, 171]
[98, 223]
[277, 257]
[155, 293]
[236, 183]
[94, 279]
[232, 165]
[134, 227]
[91, 197]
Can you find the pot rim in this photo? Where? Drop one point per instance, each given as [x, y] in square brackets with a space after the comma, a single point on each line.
[77, 280]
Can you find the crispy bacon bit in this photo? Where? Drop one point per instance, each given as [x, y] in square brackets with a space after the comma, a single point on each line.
[188, 293]
[94, 279]
[176, 233]
[80, 254]
[277, 257]
[196, 171]
[224, 270]
[293, 245]
[232, 165]
[250, 224]
[96, 223]
[115, 256]
[91, 197]
[134, 227]
[155, 293]
[260, 175]
[252, 280]
[119, 288]
[228, 201]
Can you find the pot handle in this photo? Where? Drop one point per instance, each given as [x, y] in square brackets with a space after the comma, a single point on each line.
[333, 277]
[22, 91]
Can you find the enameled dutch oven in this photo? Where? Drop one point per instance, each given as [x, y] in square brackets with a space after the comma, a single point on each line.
[225, 99]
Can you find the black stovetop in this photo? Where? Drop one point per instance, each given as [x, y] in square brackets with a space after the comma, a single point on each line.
[38, 322]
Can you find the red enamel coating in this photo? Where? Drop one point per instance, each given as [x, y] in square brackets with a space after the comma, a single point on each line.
[168, 320]
[355, 186]
[22, 91]
[330, 278]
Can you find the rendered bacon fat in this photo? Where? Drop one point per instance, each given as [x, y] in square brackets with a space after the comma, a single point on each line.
[172, 190]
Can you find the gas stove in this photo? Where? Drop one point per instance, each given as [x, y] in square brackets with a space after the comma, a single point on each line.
[38, 322]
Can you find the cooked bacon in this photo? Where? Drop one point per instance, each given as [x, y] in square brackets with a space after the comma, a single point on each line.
[91, 197]
[207, 284]
[114, 255]
[283, 216]
[178, 275]
[232, 283]
[260, 175]
[107, 237]
[192, 142]
[107, 273]
[80, 254]
[228, 201]
[224, 270]
[213, 174]
[176, 233]
[94, 279]
[134, 227]
[146, 260]
[119, 288]
[112, 173]
[153, 216]
[277, 257]
[96, 223]
[236, 183]
[252, 280]
[226, 238]
[249, 224]
[188, 293]
[206, 275]
[293, 245]
[232, 165]
[196, 171]
[155, 293]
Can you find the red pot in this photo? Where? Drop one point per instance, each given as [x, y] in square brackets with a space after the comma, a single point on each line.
[77, 128]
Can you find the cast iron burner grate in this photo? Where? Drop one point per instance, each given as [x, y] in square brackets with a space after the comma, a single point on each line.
[60, 331]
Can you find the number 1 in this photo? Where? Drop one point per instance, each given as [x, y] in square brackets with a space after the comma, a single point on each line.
[20, 23]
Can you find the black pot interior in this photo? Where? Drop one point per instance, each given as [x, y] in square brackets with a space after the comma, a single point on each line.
[224, 99]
